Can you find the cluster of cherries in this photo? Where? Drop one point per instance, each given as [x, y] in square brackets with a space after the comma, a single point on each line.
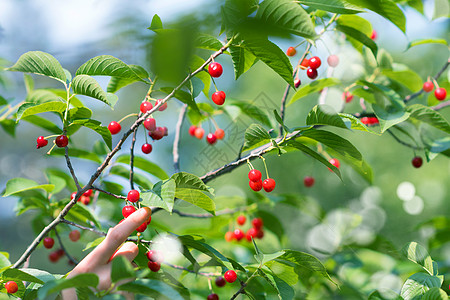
[85, 198]
[257, 184]
[370, 121]
[155, 258]
[230, 276]
[439, 93]
[215, 70]
[49, 242]
[12, 288]
[133, 197]
[255, 232]
[61, 141]
[211, 138]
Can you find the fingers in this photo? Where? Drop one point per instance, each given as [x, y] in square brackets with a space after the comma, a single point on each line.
[129, 250]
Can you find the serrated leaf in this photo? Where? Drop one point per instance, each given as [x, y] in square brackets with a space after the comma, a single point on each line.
[95, 126]
[107, 65]
[429, 116]
[116, 83]
[121, 268]
[197, 198]
[17, 185]
[41, 63]
[418, 254]
[9, 126]
[81, 214]
[155, 289]
[418, 284]
[82, 280]
[195, 63]
[161, 195]
[407, 78]
[390, 116]
[355, 123]
[313, 87]
[145, 165]
[384, 294]
[235, 11]
[251, 111]
[21, 275]
[29, 109]
[284, 290]
[435, 293]
[156, 23]
[324, 115]
[79, 113]
[334, 6]
[255, 136]
[94, 243]
[242, 58]
[426, 41]
[88, 86]
[183, 96]
[208, 42]
[189, 181]
[359, 36]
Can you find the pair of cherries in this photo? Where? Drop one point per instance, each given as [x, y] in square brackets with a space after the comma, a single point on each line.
[257, 184]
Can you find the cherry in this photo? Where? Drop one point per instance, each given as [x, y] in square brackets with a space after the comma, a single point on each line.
[157, 134]
[48, 242]
[373, 120]
[149, 220]
[41, 142]
[308, 181]
[85, 200]
[215, 69]
[333, 60]
[61, 141]
[374, 35]
[192, 130]
[133, 196]
[269, 184]
[311, 73]
[315, 62]
[145, 107]
[230, 276]
[229, 236]
[428, 86]
[212, 297]
[165, 130]
[255, 185]
[162, 107]
[128, 210]
[114, 127]
[218, 97]
[199, 132]
[305, 63]
[440, 93]
[335, 162]
[257, 223]
[72, 196]
[54, 257]
[251, 233]
[74, 235]
[11, 287]
[219, 133]
[150, 124]
[220, 281]
[254, 175]
[211, 138]
[291, 51]
[347, 96]
[297, 83]
[238, 234]
[146, 148]
[88, 193]
[154, 266]
[142, 227]
[417, 162]
[365, 120]
[154, 255]
[260, 234]
[241, 220]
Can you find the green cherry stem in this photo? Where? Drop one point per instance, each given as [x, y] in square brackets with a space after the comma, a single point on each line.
[127, 116]
[250, 164]
[265, 166]
[215, 86]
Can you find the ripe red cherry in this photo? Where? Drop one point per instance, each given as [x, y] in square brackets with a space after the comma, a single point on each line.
[220, 281]
[142, 227]
[255, 185]
[212, 297]
[373, 120]
[192, 130]
[335, 162]
[229, 236]
[215, 69]
[54, 257]
[48, 242]
[297, 83]
[88, 193]
[157, 134]
[114, 127]
[211, 138]
[72, 196]
[315, 62]
[61, 141]
[417, 162]
[304, 64]
[374, 35]
[365, 120]
[260, 233]
[162, 107]
[146, 148]
[133, 196]
[241, 220]
[74, 235]
[85, 200]
[291, 51]
[254, 175]
[219, 133]
[154, 266]
[311, 73]
[347, 96]
[150, 124]
[149, 220]
[12, 288]
[238, 234]
[251, 233]
[428, 86]
[128, 210]
[440, 93]
[145, 107]
[218, 97]
[257, 223]
[41, 142]
[333, 60]
[268, 184]
[230, 276]
[308, 181]
[199, 132]
[165, 130]
[154, 255]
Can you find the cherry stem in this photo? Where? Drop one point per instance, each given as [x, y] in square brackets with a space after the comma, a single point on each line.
[209, 284]
[214, 82]
[265, 166]
[250, 164]
[214, 122]
[127, 116]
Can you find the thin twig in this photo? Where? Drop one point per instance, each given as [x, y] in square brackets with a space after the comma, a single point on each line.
[441, 105]
[402, 142]
[69, 165]
[63, 248]
[83, 227]
[176, 141]
[133, 142]
[109, 193]
[240, 291]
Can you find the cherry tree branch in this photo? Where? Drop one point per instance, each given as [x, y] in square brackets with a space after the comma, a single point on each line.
[176, 141]
[109, 193]
[441, 105]
[69, 166]
[63, 248]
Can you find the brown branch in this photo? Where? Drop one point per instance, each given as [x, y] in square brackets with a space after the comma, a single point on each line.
[133, 142]
[98, 232]
[441, 105]
[176, 141]
[109, 193]
[73, 260]
[240, 291]
[69, 165]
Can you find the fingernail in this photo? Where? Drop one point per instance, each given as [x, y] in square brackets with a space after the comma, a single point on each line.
[145, 211]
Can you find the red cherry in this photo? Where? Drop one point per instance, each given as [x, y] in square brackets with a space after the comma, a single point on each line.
[440, 93]
[417, 162]
[61, 141]
[335, 162]
[230, 276]
[218, 97]
[128, 210]
[72, 196]
[165, 130]
[254, 175]
[157, 134]
[297, 83]
[150, 124]
[74, 235]
[149, 220]
[304, 64]
[154, 255]
[347, 96]
[142, 227]
[269, 184]
[146, 148]
[133, 196]
[41, 142]
[238, 234]
[308, 181]
[85, 200]
[114, 127]
[199, 132]
[333, 60]
[220, 281]
[48, 242]
[374, 35]
[12, 288]
[260, 233]
[428, 86]
[291, 51]
[192, 130]
[145, 107]
[311, 73]
[365, 120]
[154, 266]
[211, 138]
[251, 233]
[215, 69]
[315, 62]
[162, 107]
[212, 297]
[54, 256]
[255, 185]
[229, 236]
[88, 193]
[373, 120]
[219, 133]
[257, 223]
[241, 220]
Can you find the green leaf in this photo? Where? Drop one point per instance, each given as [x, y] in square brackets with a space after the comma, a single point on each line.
[79, 113]
[359, 36]
[208, 42]
[78, 153]
[272, 223]
[324, 115]
[116, 83]
[121, 268]
[284, 290]
[161, 195]
[355, 123]
[441, 9]
[94, 243]
[95, 126]
[426, 41]
[21, 275]
[40, 63]
[334, 6]
[81, 280]
[197, 198]
[4, 261]
[418, 254]
[255, 136]
[125, 173]
[9, 126]
[145, 165]
[313, 87]
[271, 55]
[429, 116]
[183, 96]
[17, 185]
[435, 293]
[81, 214]
[234, 12]
[107, 65]
[28, 109]
[389, 117]
[189, 181]
[154, 289]
[384, 294]
[251, 111]
[88, 86]
[408, 78]
[280, 121]
[242, 58]
[156, 23]
[287, 16]
[195, 63]
[43, 95]
[418, 284]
